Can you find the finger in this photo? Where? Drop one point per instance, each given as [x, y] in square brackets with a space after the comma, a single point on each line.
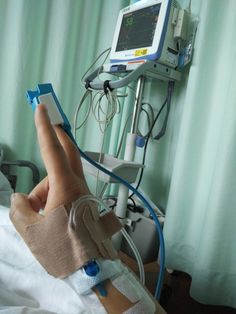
[51, 150]
[38, 196]
[71, 151]
[21, 213]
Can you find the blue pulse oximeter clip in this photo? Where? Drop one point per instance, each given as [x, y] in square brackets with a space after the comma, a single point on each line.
[45, 94]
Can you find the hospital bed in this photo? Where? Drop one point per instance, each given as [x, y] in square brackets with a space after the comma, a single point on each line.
[19, 269]
[8, 169]
[5, 186]
[12, 178]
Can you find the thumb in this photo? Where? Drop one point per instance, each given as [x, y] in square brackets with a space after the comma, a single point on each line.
[21, 213]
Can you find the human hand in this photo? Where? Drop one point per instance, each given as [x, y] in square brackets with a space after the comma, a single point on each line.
[60, 248]
[65, 180]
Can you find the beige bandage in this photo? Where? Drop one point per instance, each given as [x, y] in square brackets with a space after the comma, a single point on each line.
[62, 250]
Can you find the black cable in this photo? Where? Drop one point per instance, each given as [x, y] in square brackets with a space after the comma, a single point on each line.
[106, 86]
[167, 102]
[163, 129]
[149, 123]
[133, 201]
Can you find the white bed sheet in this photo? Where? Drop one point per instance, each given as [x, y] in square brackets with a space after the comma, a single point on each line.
[25, 287]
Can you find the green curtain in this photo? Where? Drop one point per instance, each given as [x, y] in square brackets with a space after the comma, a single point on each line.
[47, 41]
[201, 205]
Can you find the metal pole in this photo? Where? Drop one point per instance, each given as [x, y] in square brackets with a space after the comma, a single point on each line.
[137, 104]
[129, 154]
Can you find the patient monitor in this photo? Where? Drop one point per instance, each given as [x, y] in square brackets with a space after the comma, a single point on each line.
[152, 38]
[144, 30]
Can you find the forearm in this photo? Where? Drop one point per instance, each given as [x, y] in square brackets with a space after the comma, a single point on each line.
[117, 303]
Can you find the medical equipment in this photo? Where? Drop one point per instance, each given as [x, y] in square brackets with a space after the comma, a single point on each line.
[32, 97]
[153, 38]
[45, 94]
[126, 169]
[144, 30]
[142, 231]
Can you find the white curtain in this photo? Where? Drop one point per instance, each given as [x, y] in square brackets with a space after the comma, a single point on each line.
[201, 210]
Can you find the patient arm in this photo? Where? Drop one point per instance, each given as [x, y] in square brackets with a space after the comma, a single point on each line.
[118, 303]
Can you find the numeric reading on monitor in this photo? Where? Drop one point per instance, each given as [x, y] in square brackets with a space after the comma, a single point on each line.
[132, 36]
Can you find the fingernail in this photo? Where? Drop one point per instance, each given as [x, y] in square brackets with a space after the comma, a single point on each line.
[13, 197]
[41, 112]
[17, 197]
[42, 107]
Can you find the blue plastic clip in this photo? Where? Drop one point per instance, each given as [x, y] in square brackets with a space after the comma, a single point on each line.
[92, 269]
[140, 141]
[42, 89]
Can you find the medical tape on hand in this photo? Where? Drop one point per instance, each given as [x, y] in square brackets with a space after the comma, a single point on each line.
[99, 228]
[62, 250]
[127, 284]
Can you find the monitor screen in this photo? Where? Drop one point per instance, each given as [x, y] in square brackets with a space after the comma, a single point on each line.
[138, 28]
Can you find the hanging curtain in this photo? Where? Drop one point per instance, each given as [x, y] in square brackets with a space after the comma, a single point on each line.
[47, 41]
[201, 209]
